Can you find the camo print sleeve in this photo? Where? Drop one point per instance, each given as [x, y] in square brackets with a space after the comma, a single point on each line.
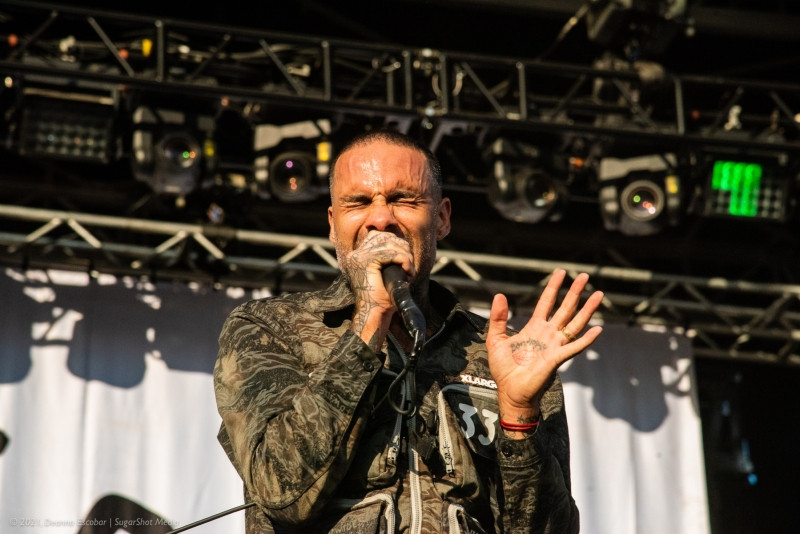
[290, 426]
[528, 479]
[536, 476]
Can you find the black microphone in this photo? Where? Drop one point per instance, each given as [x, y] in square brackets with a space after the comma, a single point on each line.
[396, 282]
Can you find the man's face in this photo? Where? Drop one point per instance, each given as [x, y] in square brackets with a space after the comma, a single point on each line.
[385, 187]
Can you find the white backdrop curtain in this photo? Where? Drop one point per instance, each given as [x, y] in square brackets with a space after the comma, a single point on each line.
[108, 422]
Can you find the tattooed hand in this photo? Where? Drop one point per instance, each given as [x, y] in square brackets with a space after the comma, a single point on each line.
[373, 306]
[523, 365]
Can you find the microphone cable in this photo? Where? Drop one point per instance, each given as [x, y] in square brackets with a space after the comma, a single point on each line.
[212, 518]
[407, 377]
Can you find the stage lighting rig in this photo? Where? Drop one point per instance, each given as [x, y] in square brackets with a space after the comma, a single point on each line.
[68, 124]
[171, 149]
[292, 161]
[522, 190]
[641, 195]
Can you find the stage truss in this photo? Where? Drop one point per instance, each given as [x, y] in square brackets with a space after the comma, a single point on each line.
[446, 93]
[718, 314]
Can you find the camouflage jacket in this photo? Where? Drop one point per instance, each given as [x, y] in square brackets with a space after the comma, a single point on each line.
[302, 423]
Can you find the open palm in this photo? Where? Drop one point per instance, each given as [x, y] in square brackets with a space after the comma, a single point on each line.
[523, 364]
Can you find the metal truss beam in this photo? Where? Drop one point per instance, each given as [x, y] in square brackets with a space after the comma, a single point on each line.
[638, 102]
[725, 318]
[75, 50]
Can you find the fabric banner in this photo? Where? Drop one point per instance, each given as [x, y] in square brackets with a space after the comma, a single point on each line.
[107, 403]
[637, 455]
[108, 421]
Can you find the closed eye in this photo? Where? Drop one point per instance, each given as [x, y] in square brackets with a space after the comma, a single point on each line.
[354, 201]
[404, 197]
[401, 197]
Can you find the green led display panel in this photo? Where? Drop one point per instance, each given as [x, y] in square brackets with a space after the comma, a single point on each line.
[745, 189]
[743, 182]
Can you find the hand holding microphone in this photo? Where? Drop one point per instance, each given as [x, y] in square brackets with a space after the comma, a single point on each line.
[377, 261]
[396, 282]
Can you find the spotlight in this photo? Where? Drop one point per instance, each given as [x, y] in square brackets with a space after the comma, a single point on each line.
[291, 175]
[747, 187]
[521, 190]
[62, 125]
[171, 149]
[528, 196]
[641, 195]
[292, 161]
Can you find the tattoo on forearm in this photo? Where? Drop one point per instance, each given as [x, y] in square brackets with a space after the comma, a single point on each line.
[526, 420]
[364, 304]
[360, 320]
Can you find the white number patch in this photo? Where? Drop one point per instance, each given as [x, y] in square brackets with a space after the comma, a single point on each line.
[468, 412]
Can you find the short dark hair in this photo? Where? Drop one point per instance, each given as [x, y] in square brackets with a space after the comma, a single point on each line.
[394, 137]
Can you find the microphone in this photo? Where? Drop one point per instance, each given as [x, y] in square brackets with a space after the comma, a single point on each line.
[396, 282]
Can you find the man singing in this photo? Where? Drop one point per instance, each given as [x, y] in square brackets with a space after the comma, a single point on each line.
[342, 415]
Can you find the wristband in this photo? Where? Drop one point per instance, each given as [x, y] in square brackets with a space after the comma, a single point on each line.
[518, 427]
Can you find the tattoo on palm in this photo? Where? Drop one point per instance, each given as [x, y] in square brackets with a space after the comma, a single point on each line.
[523, 351]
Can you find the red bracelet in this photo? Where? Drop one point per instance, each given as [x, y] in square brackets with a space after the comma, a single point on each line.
[518, 427]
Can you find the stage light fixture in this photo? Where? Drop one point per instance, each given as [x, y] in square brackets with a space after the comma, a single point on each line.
[65, 125]
[293, 160]
[528, 196]
[749, 188]
[291, 175]
[641, 195]
[522, 190]
[171, 149]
